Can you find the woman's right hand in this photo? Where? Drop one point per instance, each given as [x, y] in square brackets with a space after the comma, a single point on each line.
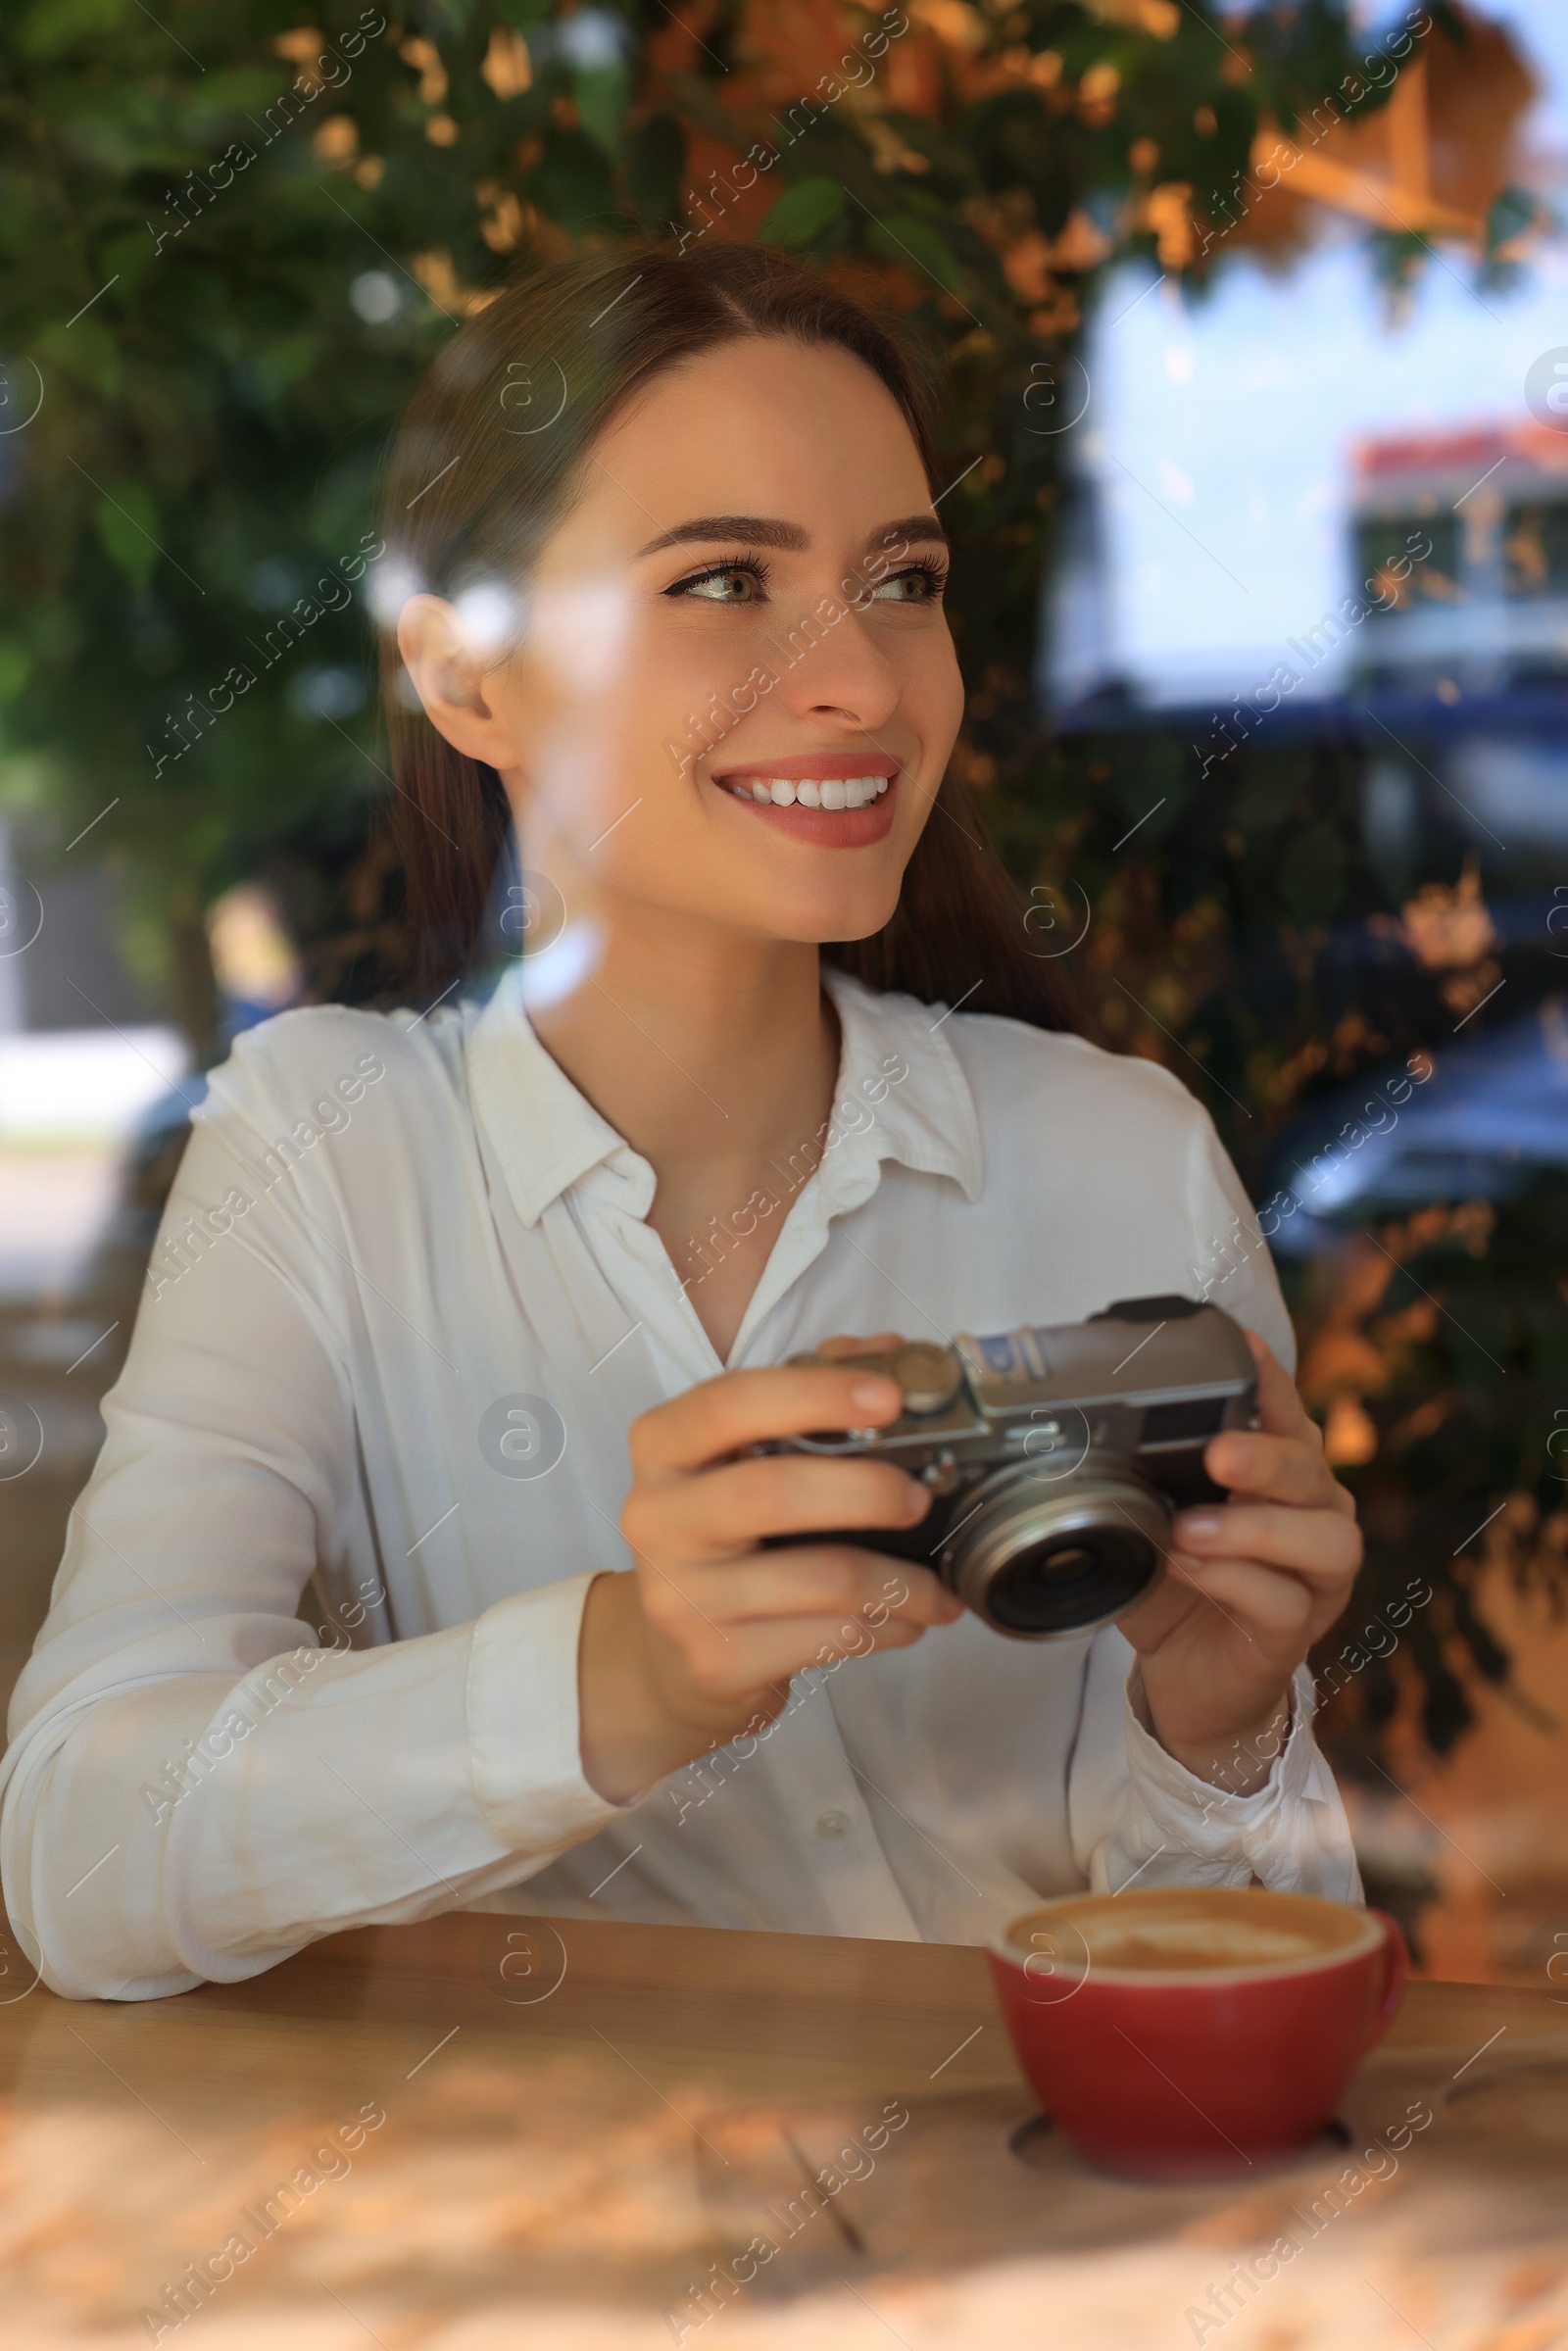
[699, 1645]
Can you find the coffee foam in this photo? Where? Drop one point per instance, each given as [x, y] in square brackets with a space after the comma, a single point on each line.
[1195, 1943]
[1187, 1931]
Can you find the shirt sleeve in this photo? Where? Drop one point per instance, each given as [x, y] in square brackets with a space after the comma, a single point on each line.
[1137, 1814]
[195, 1787]
[1230, 1266]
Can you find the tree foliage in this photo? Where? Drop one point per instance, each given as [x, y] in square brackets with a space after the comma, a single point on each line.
[233, 237]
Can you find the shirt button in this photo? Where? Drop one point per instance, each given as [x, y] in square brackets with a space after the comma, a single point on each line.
[832, 1824]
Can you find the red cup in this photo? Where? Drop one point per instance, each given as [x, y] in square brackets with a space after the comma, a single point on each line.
[1195, 2069]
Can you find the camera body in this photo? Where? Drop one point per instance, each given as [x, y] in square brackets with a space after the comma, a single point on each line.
[1056, 1458]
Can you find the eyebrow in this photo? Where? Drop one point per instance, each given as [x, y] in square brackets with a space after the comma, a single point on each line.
[761, 531]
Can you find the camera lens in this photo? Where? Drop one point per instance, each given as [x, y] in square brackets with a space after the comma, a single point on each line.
[1057, 1586]
[1039, 1556]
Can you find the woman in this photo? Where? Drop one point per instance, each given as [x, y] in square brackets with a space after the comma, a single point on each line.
[468, 1312]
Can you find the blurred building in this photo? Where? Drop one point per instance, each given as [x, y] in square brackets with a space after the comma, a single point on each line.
[1475, 642]
[1252, 451]
[1454, 547]
[1486, 611]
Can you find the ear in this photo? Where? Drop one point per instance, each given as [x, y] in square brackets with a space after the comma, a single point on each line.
[449, 672]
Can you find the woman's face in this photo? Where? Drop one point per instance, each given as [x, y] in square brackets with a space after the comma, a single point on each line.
[744, 601]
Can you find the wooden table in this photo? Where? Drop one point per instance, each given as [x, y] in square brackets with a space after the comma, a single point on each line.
[487, 2133]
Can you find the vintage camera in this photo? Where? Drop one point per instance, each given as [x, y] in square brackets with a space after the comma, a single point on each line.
[1056, 1458]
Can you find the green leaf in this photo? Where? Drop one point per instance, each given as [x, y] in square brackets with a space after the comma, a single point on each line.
[803, 211]
[904, 238]
[127, 257]
[1314, 875]
[85, 351]
[127, 524]
[52, 26]
[572, 183]
[1511, 213]
[603, 94]
[656, 165]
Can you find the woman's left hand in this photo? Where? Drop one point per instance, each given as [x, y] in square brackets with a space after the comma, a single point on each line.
[1252, 1582]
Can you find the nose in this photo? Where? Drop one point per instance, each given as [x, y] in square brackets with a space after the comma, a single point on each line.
[833, 670]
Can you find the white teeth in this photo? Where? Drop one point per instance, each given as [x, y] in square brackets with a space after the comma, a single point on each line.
[833, 792]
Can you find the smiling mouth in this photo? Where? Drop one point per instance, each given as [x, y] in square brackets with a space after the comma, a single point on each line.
[830, 792]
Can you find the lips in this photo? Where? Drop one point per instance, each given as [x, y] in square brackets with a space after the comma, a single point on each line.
[841, 800]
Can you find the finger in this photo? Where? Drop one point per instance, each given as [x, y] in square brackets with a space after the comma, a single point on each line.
[728, 1509]
[1278, 1399]
[841, 1343]
[809, 1578]
[742, 1407]
[774, 1652]
[1317, 1543]
[1283, 1404]
[1239, 1457]
[1278, 1469]
[812, 1579]
[1262, 1604]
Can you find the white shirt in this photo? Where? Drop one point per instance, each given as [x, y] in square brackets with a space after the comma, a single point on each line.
[391, 1240]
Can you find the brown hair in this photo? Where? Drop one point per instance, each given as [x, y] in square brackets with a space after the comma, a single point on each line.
[488, 459]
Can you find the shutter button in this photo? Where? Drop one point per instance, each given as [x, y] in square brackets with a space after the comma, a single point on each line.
[928, 1375]
[832, 1824]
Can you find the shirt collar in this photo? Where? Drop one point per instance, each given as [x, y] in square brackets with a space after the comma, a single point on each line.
[924, 1118]
[546, 1134]
[900, 1096]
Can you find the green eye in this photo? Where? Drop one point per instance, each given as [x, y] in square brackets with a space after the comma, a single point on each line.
[725, 587]
[921, 583]
[738, 582]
